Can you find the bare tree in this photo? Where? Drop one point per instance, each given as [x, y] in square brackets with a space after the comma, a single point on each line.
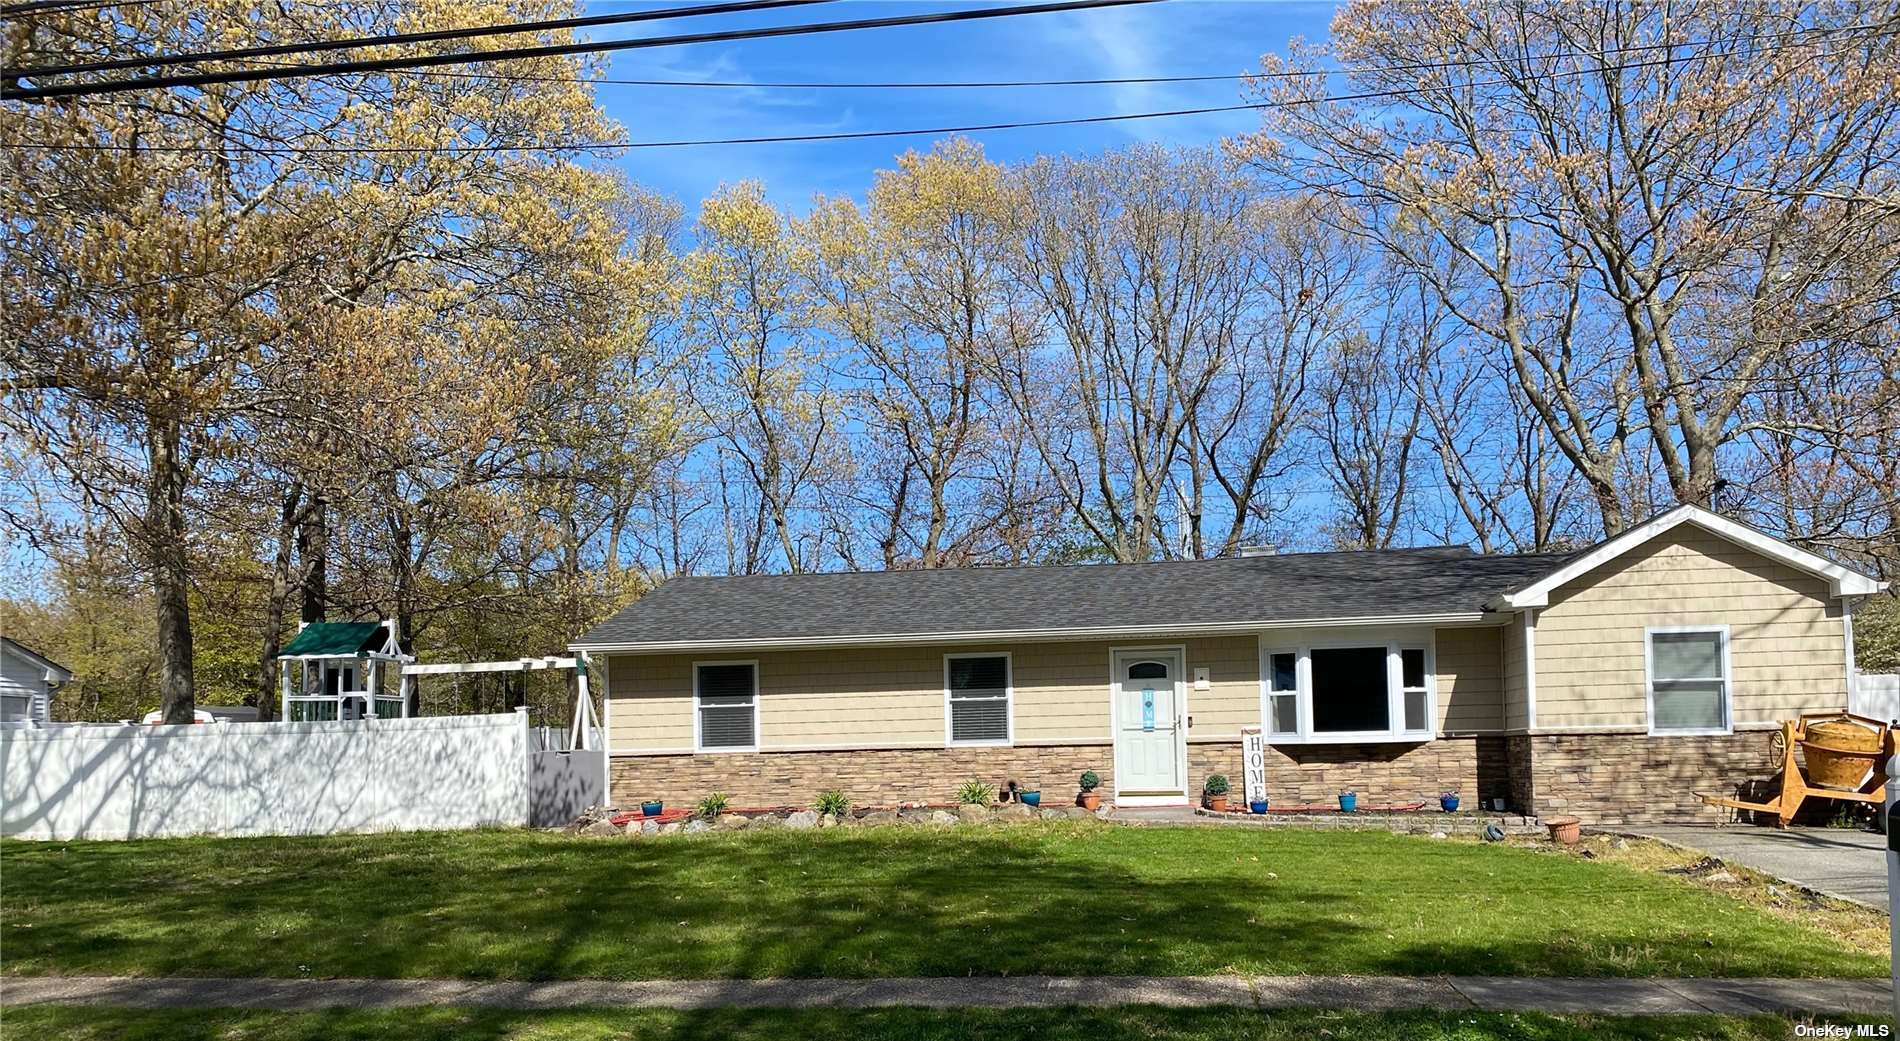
[1647, 204]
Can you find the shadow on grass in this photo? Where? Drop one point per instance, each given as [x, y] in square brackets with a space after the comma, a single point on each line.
[1082, 900]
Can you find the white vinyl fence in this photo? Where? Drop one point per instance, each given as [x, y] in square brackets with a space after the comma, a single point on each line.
[1876, 695]
[288, 778]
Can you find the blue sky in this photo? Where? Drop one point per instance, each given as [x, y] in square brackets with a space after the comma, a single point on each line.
[1180, 37]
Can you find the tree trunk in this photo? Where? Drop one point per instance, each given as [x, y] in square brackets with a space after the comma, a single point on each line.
[171, 579]
[313, 551]
[281, 587]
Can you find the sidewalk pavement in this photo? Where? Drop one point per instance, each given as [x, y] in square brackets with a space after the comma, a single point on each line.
[1369, 993]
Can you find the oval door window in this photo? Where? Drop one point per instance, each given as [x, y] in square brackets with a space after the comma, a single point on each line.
[1148, 670]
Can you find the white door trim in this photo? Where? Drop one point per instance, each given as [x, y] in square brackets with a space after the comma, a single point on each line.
[1179, 653]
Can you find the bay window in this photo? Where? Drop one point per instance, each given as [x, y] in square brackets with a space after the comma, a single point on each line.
[1349, 693]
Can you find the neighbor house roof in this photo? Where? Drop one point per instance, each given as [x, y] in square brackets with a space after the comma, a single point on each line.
[336, 640]
[1441, 584]
[55, 672]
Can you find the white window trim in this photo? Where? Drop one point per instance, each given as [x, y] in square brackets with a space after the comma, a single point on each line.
[699, 744]
[1009, 701]
[1649, 683]
[1395, 693]
[1267, 694]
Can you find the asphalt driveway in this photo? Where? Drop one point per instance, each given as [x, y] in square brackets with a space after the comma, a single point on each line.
[1836, 861]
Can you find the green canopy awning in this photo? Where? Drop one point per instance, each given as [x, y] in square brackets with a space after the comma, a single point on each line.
[336, 640]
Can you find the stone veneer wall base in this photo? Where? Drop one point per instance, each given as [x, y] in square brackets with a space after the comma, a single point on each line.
[1604, 778]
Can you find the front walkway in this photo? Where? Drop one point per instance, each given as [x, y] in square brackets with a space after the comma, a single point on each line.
[1370, 993]
[1839, 862]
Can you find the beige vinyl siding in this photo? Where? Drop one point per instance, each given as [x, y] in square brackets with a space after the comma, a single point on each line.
[1517, 697]
[1233, 700]
[894, 697]
[1470, 672]
[1786, 637]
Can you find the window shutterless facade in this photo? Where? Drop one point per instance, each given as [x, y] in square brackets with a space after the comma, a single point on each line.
[1689, 688]
[977, 699]
[1348, 693]
[726, 706]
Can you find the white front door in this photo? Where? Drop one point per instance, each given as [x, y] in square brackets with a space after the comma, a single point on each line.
[1148, 703]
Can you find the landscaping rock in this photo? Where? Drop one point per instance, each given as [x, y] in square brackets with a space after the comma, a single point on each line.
[879, 817]
[766, 822]
[733, 821]
[697, 824]
[943, 817]
[1440, 835]
[601, 830]
[914, 815]
[653, 827]
[1014, 811]
[671, 828]
[971, 813]
[803, 819]
[828, 821]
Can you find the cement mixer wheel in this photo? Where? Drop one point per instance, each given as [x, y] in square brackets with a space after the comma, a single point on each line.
[1777, 749]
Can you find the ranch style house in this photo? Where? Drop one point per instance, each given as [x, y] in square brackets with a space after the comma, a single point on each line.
[1611, 683]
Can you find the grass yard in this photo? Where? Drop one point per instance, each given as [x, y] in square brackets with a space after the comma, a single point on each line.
[1066, 900]
[1131, 1024]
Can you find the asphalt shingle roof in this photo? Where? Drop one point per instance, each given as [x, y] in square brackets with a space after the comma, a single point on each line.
[1230, 590]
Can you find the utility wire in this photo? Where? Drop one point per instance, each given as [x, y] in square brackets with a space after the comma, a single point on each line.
[62, 6]
[13, 92]
[1119, 81]
[155, 61]
[854, 135]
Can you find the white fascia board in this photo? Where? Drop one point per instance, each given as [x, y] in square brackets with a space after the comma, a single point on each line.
[1842, 581]
[1027, 635]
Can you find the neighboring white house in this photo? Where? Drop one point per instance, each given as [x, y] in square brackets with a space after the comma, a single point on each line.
[27, 682]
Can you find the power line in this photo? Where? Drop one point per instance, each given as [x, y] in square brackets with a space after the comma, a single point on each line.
[1124, 80]
[154, 61]
[13, 92]
[867, 134]
[62, 6]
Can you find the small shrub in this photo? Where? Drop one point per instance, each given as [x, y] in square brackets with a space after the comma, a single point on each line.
[1091, 780]
[1216, 784]
[977, 793]
[833, 803]
[713, 805]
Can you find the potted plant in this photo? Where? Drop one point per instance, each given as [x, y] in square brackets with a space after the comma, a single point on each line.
[713, 805]
[1090, 799]
[1448, 801]
[652, 808]
[1257, 805]
[1030, 796]
[1348, 802]
[1214, 793]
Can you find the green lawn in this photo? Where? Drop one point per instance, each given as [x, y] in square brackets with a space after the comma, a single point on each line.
[1068, 900]
[1131, 1024]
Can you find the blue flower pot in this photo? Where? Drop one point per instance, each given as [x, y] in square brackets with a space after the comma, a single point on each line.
[1449, 803]
[652, 809]
[1348, 803]
[1258, 806]
[1032, 798]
